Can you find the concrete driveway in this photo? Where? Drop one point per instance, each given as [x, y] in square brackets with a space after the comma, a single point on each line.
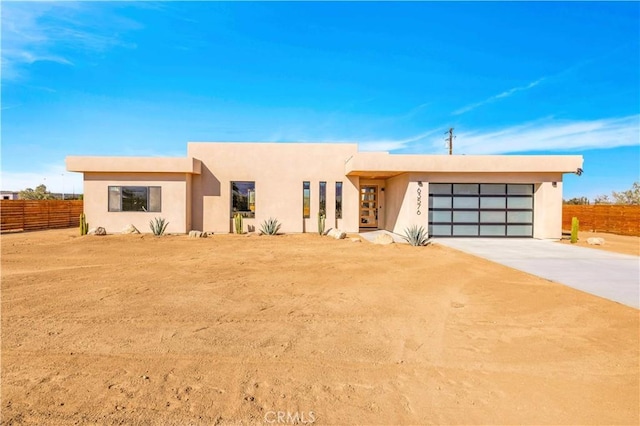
[610, 275]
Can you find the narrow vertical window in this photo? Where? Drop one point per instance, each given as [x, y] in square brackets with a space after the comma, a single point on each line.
[323, 198]
[306, 199]
[338, 200]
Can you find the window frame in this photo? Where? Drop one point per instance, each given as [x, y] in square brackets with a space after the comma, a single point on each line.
[338, 200]
[306, 199]
[247, 214]
[145, 209]
[322, 198]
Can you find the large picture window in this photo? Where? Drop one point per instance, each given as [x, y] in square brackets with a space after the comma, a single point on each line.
[306, 200]
[323, 198]
[135, 198]
[243, 199]
[338, 200]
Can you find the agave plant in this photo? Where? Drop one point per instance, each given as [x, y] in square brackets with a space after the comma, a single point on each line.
[158, 225]
[270, 227]
[416, 236]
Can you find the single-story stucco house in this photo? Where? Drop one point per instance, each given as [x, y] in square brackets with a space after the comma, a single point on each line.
[457, 195]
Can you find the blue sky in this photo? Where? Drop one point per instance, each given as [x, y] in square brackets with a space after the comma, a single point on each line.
[97, 78]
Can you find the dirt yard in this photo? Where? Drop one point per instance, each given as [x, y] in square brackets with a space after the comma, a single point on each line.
[139, 330]
[616, 243]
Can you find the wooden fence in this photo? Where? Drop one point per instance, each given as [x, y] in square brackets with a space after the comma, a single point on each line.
[616, 219]
[31, 215]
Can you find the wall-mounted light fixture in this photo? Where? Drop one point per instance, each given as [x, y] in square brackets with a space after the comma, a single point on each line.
[554, 184]
[419, 183]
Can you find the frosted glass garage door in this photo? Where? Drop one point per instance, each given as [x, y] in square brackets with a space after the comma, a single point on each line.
[480, 210]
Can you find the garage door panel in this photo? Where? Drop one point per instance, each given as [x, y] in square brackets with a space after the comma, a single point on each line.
[492, 217]
[520, 217]
[481, 210]
[465, 230]
[519, 203]
[465, 217]
[492, 230]
[466, 202]
[493, 203]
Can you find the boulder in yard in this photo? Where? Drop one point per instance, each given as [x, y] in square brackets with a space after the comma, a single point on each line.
[595, 241]
[100, 231]
[383, 239]
[197, 234]
[130, 229]
[337, 234]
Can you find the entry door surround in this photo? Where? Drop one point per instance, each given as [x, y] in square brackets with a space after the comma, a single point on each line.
[369, 203]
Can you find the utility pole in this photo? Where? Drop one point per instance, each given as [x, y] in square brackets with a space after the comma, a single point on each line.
[450, 141]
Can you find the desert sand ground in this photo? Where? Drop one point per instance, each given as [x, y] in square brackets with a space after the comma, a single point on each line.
[615, 243]
[141, 330]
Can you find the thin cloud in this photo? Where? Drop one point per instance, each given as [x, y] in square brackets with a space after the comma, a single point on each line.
[393, 144]
[550, 135]
[59, 32]
[494, 98]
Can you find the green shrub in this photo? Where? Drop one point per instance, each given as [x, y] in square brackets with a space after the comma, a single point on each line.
[416, 236]
[270, 227]
[158, 225]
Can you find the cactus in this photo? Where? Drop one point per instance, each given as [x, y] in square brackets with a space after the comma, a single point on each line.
[321, 222]
[84, 226]
[237, 221]
[575, 225]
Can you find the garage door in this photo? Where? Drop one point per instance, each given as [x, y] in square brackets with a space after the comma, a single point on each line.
[480, 210]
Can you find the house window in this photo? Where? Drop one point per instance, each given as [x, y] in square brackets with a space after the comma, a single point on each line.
[338, 200]
[243, 199]
[306, 199]
[323, 198]
[135, 198]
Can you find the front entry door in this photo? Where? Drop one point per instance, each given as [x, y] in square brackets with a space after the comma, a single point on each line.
[368, 206]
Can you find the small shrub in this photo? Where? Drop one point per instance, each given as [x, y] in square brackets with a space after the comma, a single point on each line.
[416, 236]
[158, 225]
[270, 227]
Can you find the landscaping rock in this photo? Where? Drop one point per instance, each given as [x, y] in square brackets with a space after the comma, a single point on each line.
[383, 239]
[100, 231]
[91, 231]
[130, 229]
[594, 241]
[356, 240]
[197, 234]
[337, 234]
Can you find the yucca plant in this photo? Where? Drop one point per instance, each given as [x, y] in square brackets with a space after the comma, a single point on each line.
[416, 236]
[158, 225]
[270, 227]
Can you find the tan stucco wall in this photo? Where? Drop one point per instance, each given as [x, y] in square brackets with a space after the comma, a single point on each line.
[278, 169]
[173, 208]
